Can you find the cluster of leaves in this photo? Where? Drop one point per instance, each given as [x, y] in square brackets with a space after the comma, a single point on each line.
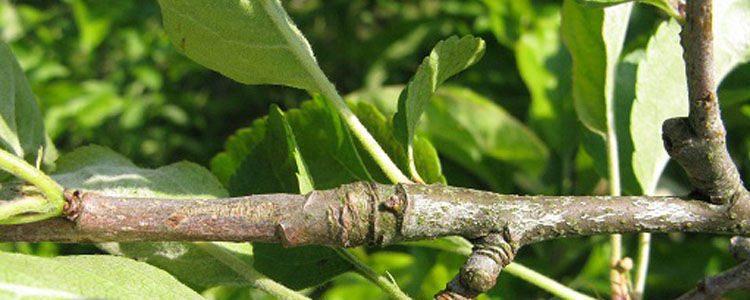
[496, 126]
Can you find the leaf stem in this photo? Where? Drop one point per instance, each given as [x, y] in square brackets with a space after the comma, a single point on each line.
[255, 278]
[291, 34]
[361, 268]
[10, 211]
[641, 265]
[368, 142]
[544, 282]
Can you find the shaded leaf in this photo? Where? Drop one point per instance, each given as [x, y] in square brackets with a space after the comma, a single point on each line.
[275, 164]
[86, 277]
[324, 142]
[253, 42]
[449, 57]
[21, 127]
[266, 158]
[299, 267]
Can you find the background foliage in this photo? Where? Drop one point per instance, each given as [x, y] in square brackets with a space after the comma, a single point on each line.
[105, 73]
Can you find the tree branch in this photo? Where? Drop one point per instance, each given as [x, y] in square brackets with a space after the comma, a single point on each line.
[698, 142]
[373, 214]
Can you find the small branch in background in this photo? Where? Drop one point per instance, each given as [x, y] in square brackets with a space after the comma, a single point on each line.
[714, 287]
[732, 279]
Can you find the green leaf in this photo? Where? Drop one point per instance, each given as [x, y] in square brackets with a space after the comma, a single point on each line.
[507, 19]
[253, 42]
[661, 94]
[326, 144]
[469, 127]
[188, 262]
[99, 169]
[21, 127]
[95, 103]
[731, 35]
[671, 7]
[544, 64]
[594, 37]
[93, 29]
[299, 267]
[86, 277]
[427, 162]
[449, 57]
[661, 87]
[323, 139]
[274, 164]
[473, 131]
[266, 158]
[95, 168]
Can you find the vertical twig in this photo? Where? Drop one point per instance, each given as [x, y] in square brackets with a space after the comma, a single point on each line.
[698, 142]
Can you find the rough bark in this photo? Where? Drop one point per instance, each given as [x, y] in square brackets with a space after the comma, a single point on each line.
[698, 142]
[375, 214]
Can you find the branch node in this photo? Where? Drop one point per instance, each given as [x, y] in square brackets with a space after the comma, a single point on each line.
[73, 204]
[479, 274]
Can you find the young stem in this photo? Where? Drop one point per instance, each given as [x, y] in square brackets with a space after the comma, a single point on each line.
[52, 191]
[280, 18]
[613, 166]
[252, 276]
[641, 265]
[368, 142]
[544, 282]
[385, 284]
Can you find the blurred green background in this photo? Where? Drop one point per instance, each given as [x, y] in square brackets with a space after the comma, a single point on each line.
[105, 73]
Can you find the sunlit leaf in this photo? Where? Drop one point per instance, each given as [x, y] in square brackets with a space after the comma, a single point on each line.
[661, 94]
[661, 89]
[253, 42]
[324, 142]
[99, 169]
[671, 7]
[86, 277]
